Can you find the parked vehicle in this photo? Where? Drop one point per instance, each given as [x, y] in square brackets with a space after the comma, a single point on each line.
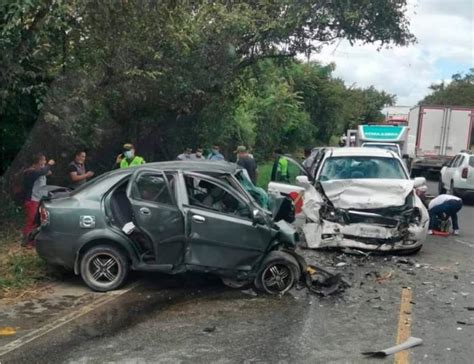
[436, 134]
[362, 198]
[169, 217]
[457, 176]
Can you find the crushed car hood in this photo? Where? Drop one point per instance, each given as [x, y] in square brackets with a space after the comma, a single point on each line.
[367, 193]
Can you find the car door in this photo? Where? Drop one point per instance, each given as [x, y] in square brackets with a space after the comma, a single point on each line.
[220, 230]
[156, 214]
[447, 173]
[287, 187]
[457, 169]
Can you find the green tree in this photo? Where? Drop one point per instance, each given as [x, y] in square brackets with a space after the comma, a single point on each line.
[160, 72]
[458, 92]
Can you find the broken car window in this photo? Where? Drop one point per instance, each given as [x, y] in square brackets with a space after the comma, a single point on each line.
[153, 187]
[205, 194]
[360, 168]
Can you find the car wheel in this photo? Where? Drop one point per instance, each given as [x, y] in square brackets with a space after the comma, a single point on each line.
[104, 268]
[441, 189]
[279, 273]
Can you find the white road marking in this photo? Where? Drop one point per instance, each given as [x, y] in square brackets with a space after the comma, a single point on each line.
[35, 334]
[471, 245]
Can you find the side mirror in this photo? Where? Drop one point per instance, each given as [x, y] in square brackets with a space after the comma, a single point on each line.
[258, 218]
[419, 181]
[302, 180]
[405, 156]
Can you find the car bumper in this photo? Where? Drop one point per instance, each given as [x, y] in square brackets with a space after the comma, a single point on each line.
[56, 249]
[363, 236]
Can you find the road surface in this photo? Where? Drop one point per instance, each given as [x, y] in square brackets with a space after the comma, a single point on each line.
[194, 319]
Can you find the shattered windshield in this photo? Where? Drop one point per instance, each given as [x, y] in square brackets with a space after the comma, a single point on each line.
[356, 167]
[258, 194]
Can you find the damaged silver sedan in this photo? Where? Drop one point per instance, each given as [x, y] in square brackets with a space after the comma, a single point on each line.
[362, 199]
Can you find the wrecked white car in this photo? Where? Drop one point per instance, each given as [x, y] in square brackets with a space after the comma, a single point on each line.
[359, 198]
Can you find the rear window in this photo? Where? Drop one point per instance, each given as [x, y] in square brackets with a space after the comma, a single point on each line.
[471, 161]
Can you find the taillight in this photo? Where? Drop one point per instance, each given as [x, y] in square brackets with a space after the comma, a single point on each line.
[44, 216]
[465, 172]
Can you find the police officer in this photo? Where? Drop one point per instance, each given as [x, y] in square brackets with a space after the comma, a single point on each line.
[128, 157]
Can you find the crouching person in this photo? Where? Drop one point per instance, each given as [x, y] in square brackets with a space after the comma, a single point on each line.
[441, 206]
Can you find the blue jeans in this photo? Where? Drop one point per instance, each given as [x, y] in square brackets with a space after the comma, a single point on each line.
[450, 208]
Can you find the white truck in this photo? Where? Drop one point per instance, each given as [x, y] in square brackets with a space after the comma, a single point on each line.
[436, 134]
[386, 136]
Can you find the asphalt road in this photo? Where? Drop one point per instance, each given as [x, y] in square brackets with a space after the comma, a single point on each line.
[194, 319]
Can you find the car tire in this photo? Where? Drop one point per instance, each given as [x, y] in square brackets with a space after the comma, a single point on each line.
[104, 268]
[441, 189]
[279, 273]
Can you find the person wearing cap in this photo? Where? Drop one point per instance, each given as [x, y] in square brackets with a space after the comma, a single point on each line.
[215, 154]
[128, 158]
[198, 156]
[186, 155]
[247, 162]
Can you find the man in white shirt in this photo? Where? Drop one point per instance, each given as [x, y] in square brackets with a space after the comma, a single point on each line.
[447, 205]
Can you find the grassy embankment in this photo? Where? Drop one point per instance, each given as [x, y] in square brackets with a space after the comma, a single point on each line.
[21, 270]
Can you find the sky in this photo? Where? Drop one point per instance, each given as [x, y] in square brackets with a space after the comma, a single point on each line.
[445, 45]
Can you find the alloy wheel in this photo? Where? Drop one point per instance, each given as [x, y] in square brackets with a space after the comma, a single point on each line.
[103, 269]
[277, 278]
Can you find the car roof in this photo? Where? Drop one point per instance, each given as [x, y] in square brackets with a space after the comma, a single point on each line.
[194, 166]
[361, 152]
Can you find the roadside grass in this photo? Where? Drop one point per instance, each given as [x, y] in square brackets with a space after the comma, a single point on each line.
[264, 174]
[21, 270]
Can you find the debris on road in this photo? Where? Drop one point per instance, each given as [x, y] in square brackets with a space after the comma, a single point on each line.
[384, 277]
[465, 323]
[209, 329]
[323, 282]
[7, 331]
[409, 343]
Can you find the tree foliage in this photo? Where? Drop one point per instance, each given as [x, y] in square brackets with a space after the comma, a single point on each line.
[167, 74]
[458, 92]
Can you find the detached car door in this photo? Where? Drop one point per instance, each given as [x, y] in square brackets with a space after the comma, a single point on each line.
[156, 214]
[220, 230]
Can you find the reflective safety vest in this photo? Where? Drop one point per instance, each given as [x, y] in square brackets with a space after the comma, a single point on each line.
[136, 161]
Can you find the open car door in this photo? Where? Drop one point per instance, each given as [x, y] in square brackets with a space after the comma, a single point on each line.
[156, 214]
[288, 186]
[220, 229]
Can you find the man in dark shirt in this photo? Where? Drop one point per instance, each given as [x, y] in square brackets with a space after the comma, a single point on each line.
[76, 170]
[34, 178]
[247, 162]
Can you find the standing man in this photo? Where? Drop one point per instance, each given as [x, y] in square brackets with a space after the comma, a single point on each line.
[280, 167]
[215, 154]
[34, 178]
[76, 170]
[247, 162]
[186, 155]
[128, 157]
[444, 205]
[198, 156]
